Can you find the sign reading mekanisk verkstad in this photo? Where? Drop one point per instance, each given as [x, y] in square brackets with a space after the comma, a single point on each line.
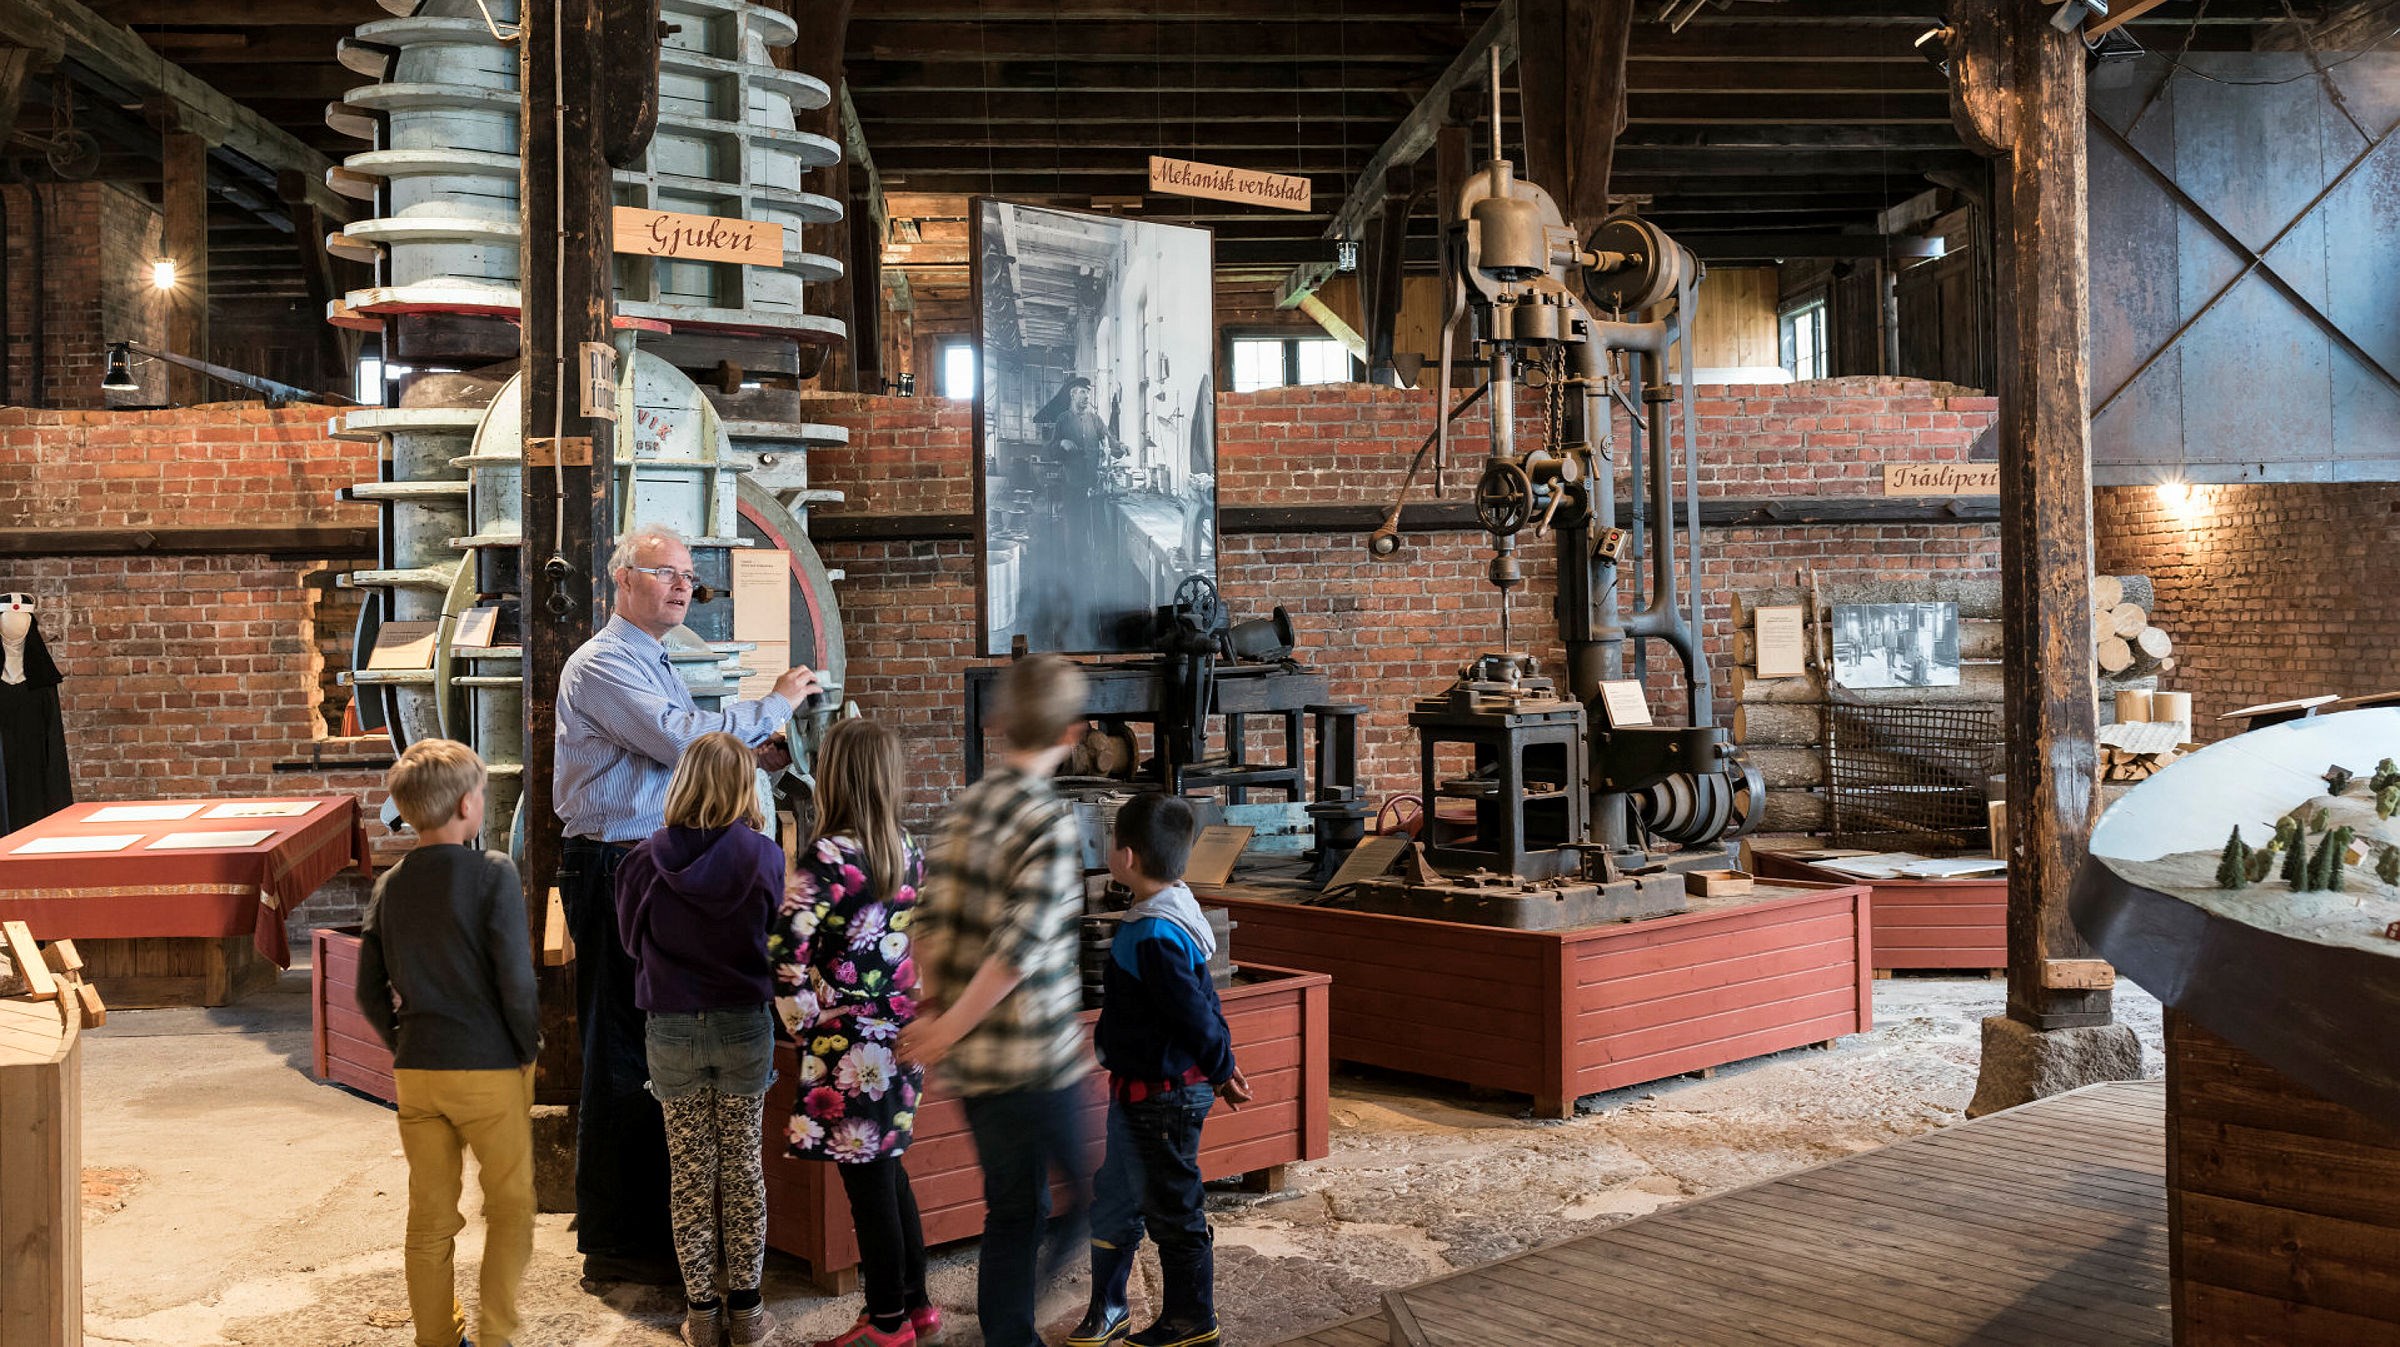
[1182, 177]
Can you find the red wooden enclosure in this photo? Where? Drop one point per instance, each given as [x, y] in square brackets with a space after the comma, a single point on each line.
[348, 1052]
[1920, 923]
[1562, 1014]
[1279, 1023]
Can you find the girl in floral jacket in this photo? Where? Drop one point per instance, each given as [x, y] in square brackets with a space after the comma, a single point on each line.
[845, 984]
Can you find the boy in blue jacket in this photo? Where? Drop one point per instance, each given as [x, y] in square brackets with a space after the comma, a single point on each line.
[1163, 1042]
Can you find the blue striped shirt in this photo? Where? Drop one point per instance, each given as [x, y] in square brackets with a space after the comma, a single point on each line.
[624, 716]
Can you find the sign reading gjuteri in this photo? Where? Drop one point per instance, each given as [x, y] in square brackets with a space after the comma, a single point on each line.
[700, 238]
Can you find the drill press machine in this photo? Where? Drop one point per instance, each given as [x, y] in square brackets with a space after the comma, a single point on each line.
[1574, 790]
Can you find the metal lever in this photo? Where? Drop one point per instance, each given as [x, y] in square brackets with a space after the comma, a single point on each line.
[1558, 497]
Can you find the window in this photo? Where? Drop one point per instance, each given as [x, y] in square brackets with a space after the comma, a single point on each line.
[958, 370]
[1273, 362]
[1804, 339]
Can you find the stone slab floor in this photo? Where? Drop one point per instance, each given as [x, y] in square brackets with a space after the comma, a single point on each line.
[229, 1198]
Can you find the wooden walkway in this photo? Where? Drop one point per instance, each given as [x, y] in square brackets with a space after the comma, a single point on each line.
[2044, 1226]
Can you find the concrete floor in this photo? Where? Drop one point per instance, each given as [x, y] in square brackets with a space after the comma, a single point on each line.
[229, 1198]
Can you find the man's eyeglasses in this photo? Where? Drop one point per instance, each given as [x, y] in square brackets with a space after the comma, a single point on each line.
[668, 575]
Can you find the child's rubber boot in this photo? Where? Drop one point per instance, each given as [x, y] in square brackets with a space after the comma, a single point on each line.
[1176, 1331]
[1102, 1326]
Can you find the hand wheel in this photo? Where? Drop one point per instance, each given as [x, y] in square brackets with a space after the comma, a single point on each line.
[1503, 499]
[1198, 596]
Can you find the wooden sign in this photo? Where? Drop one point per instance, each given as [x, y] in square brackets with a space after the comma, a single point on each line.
[1941, 479]
[1214, 853]
[701, 238]
[1182, 177]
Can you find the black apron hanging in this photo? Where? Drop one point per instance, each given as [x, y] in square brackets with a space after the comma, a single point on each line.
[33, 740]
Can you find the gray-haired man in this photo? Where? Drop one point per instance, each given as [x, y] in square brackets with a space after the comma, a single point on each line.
[624, 716]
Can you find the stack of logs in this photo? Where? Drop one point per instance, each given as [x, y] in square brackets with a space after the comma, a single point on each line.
[2123, 640]
[1780, 722]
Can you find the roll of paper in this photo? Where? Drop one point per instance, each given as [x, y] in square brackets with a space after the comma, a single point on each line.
[2134, 704]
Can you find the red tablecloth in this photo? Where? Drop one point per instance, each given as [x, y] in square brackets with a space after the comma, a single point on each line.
[140, 892]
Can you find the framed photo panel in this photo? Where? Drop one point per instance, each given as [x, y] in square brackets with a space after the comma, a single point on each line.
[1095, 424]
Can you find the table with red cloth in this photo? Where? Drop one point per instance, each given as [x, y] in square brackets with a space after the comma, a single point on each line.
[209, 893]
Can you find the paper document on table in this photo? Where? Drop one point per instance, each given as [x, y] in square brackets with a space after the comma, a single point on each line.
[762, 597]
[1957, 867]
[143, 813]
[64, 846]
[210, 841]
[1881, 865]
[260, 809]
[1213, 854]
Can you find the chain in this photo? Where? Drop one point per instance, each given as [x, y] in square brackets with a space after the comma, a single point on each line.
[1554, 397]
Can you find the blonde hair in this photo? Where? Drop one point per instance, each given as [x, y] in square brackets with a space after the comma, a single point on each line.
[431, 779]
[1040, 696]
[715, 784]
[858, 797]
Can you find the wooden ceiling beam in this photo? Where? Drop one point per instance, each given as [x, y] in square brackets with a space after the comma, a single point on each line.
[244, 13]
[119, 58]
[894, 106]
[292, 81]
[1179, 13]
[1079, 40]
[266, 47]
[1136, 76]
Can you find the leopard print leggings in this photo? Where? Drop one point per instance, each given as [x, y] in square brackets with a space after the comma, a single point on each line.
[717, 1181]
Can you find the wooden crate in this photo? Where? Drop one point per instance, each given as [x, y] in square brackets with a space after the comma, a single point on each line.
[1279, 1024]
[2283, 1206]
[1921, 923]
[348, 1051]
[1562, 1014]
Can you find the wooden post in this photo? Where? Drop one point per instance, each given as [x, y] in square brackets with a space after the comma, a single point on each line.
[183, 160]
[2018, 93]
[337, 347]
[1571, 69]
[824, 29]
[568, 456]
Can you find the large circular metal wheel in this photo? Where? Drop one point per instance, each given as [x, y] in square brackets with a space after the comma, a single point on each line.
[1649, 279]
[1407, 814]
[1198, 595]
[1503, 499]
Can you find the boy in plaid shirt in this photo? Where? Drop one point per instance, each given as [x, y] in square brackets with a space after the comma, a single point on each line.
[996, 951]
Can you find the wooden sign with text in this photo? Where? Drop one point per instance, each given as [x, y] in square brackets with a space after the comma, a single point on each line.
[700, 238]
[1941, 479]
[1182, 177]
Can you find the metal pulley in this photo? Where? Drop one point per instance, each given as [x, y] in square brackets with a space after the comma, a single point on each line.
[1702, 808]
[1636, 266]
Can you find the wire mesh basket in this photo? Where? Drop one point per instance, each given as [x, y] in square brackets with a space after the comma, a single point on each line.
[1911, 777]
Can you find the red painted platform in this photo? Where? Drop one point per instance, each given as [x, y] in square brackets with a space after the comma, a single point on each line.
[1279, 1024]
[1562, 1014]
[1920, 923]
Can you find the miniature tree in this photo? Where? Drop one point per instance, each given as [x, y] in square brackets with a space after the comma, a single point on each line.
[2323, 819]
[2295, 864]
[2337, 779]
[2287, 832]
[2387, 775]
[2387, 865]
[2325, 868]
[2387, 801]
[2233, 868]
[2262, 863]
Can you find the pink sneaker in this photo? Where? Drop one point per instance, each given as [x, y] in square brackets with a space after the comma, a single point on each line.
[865, 1334]
[926, 1322]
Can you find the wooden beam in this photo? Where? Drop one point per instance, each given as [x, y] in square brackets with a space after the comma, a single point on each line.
[337, 347]
[2022, 92]
[1168, 76]
[119, 57]
[818, 52]
[1408, 142]
[2125, 12]
[888, 108]
[1775, 245]
[243, 13]
[1571, 71]
[184, 201]
[1084, 41]
[312, 542]
[1334, 326]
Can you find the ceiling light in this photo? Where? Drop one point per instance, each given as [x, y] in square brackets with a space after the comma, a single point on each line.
[162, 273]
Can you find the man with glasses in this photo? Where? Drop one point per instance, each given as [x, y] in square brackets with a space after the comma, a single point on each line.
[624, 716]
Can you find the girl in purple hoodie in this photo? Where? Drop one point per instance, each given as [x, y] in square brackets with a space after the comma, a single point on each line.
[693, 904]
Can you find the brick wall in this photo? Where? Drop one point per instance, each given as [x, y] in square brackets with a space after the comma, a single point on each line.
[2269, 590]
[1386, 632]
[192, 675]
[86, 271]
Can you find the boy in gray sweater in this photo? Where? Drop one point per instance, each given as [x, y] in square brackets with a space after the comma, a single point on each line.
[445, 975]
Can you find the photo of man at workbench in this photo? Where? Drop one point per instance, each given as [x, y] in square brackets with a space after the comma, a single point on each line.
[1096, 426]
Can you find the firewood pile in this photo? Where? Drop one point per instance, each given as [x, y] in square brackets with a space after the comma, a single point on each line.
[2124, 641]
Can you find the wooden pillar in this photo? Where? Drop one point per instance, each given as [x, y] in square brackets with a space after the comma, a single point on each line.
[183, 158]
[1571, 76]
[864, 310]
[824, 30]
[567, 475]
[1381, 261]
[337, 347]
[2018, 94]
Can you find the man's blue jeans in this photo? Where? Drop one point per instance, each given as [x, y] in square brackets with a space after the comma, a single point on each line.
[1020, 1137]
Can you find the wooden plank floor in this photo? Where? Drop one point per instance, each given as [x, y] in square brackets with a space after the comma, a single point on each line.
[2044, 1225]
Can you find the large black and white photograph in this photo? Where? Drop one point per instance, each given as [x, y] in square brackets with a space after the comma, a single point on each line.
[1895, 645]
[1096, 427]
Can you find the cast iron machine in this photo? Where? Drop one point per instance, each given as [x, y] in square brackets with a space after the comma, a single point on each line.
[1571, 796]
